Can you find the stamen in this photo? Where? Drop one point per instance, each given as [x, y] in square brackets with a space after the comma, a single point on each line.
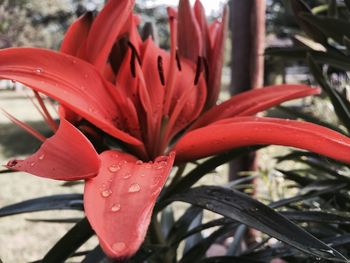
[160, 70]
[134, 55]
[206, 69]
[132, 64]
[135, 52]
[24, 126]
[198, 70]
[178, 60]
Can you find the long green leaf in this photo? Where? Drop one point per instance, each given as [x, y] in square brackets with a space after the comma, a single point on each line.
[53, 202]
[342, 110]
[242, 208]
[69, 243]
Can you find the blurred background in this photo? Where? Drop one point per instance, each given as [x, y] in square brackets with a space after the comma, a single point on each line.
[254, 26]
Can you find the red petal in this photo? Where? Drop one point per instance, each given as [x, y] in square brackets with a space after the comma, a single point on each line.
[119, 200]
[254, 101]
[190, 37]
[68, 155]
[203, 26]
[69, 80]
[245, 131]
[74, 43]
[108, 25]
[216, 59]
[76, 35]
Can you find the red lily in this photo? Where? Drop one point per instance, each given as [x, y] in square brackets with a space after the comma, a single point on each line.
[144, 102]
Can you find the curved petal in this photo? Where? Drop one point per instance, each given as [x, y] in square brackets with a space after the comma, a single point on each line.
[119, 200]
[254, 101]
[190, 37]
[68, 155]
[216, 60]
[69, 80]
[108, 25]
[245, 131]
[76, 35]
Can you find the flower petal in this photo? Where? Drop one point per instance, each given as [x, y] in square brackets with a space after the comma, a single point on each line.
[216, 60]
[190, 36]
[69, 80]
[254, 101]
[107, 27]
[245, 131]
[119, 200]
[76, 35]
[68, 155]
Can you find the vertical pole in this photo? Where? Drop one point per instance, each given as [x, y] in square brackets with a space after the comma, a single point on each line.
[247, 25]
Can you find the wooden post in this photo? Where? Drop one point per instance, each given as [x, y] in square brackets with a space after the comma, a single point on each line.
[247, 25]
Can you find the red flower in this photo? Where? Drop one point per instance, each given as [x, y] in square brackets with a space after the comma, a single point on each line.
[154, 103]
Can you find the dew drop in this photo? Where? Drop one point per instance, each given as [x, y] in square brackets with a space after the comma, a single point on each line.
[119, 247]
[41, 157]
[74, 61]
[116, 207]
[157, 191]
[106, 193]
[32, 164]
[38, 70]
[138, 162]
[114, 168]
[127, 175]
[86, 76]
[134, 188]
[142, 175]
[121, 163]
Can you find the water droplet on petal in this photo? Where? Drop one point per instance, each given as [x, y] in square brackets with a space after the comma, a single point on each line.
[114, 168]
[86, 75]
[134, 188]
[121, 163]
[116, 207]
[38, 70]
[106, 193]
[32, 164]
[119, 247]
[142, 175]
[157, 191]
[91, 109]
[127, 175]
[74, 61]
[138, 162]
[41, 157]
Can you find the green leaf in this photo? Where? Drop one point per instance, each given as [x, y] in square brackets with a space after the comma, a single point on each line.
[69, 243]
[334, 28]
[198, 251]
[242, 208]
[204, 168]
[316, 216]
[299, 7]
[53, 202]
[341, 107]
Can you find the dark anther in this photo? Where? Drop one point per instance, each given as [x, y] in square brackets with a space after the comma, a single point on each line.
[132, 65]
[178, 60]
[160, 70]
[198, 70]
[206, 68]
[135, 52]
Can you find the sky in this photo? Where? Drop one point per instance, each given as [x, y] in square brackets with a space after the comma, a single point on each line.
[211, 6]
